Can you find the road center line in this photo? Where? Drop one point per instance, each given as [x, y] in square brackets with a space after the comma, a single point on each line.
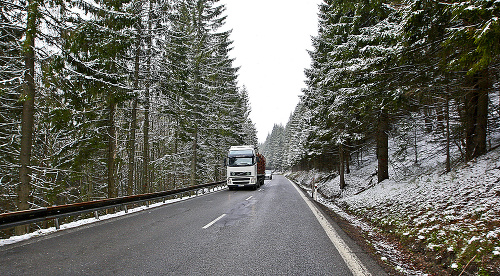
[249, 198]
[351, 260]
[214, 221]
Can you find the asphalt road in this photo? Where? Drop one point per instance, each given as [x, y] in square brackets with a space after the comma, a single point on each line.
[270, 231]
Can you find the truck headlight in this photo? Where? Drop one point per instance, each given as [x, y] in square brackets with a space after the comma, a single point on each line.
[252, 180]
[229, 181]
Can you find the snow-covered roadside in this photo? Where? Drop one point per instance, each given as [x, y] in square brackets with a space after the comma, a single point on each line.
[452, 220]
[42, 232]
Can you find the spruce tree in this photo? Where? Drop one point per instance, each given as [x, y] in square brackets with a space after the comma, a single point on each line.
[11, 68]
[473, 47]
[347, 86]
[96, 83]
[449, 47]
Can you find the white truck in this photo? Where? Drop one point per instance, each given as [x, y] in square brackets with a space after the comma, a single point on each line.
[245, 167]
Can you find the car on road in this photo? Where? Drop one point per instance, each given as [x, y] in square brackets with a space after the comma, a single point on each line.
[269, 174]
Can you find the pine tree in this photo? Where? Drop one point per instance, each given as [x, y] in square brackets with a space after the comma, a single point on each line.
[28, 101]
[96, 81]
[422, 63]
[11, 68]
[274, 148]
[296, 132]
[451, 47]
[201, 86]
[473, 47]
[114, 69]
[347, 86]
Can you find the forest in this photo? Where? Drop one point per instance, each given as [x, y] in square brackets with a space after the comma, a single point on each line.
[103, 99]
[388, 71]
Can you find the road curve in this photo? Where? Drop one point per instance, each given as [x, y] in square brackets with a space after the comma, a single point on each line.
[270, 231]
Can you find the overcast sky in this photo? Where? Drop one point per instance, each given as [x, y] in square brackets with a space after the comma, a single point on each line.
[271, 39]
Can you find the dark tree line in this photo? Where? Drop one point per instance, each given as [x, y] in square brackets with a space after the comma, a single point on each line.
[110, 98]
[391, 69]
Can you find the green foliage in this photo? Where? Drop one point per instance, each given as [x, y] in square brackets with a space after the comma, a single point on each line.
[349, 81]
[273, 148]
[474, 36]
[104, 55]
[418, 60]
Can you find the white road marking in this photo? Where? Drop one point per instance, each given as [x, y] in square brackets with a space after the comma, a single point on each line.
[351, 260]
[249, 198]
[214, 221]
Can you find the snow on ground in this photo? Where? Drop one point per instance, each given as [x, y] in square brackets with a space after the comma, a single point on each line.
[453, 218]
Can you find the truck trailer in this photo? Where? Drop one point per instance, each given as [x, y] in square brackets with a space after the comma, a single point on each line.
[245, 167]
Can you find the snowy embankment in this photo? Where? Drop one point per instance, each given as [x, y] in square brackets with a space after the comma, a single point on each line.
[422, 220]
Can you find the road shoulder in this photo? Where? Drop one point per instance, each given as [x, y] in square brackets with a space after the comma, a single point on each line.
[353, 238]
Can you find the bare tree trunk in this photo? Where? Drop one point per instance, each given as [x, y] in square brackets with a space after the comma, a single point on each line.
[447, 118]
[476, 115]
[133, 121]
[194, 157]
[415, 144]
[482, 113]
[146, 156]
[176, 141]
[131, 148]
[341, 167]
[112, 192]
[27, 120]
[383, 146]
[427, 116]
[347, 158]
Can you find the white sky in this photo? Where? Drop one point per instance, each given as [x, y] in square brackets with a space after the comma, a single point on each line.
[271, 38]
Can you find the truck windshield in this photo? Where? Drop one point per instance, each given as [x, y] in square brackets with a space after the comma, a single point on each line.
[239, 153]
[240, 161]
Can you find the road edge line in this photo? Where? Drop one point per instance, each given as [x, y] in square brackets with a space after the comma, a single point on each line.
[351, 260]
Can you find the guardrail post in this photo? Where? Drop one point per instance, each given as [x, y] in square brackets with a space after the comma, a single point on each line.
[56, 222]
[96, 214]
[125, 208]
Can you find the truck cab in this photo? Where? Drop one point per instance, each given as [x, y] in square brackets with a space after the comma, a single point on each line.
[244, 167]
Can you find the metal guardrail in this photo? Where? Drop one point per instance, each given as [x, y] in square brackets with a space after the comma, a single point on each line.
[12, 219]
